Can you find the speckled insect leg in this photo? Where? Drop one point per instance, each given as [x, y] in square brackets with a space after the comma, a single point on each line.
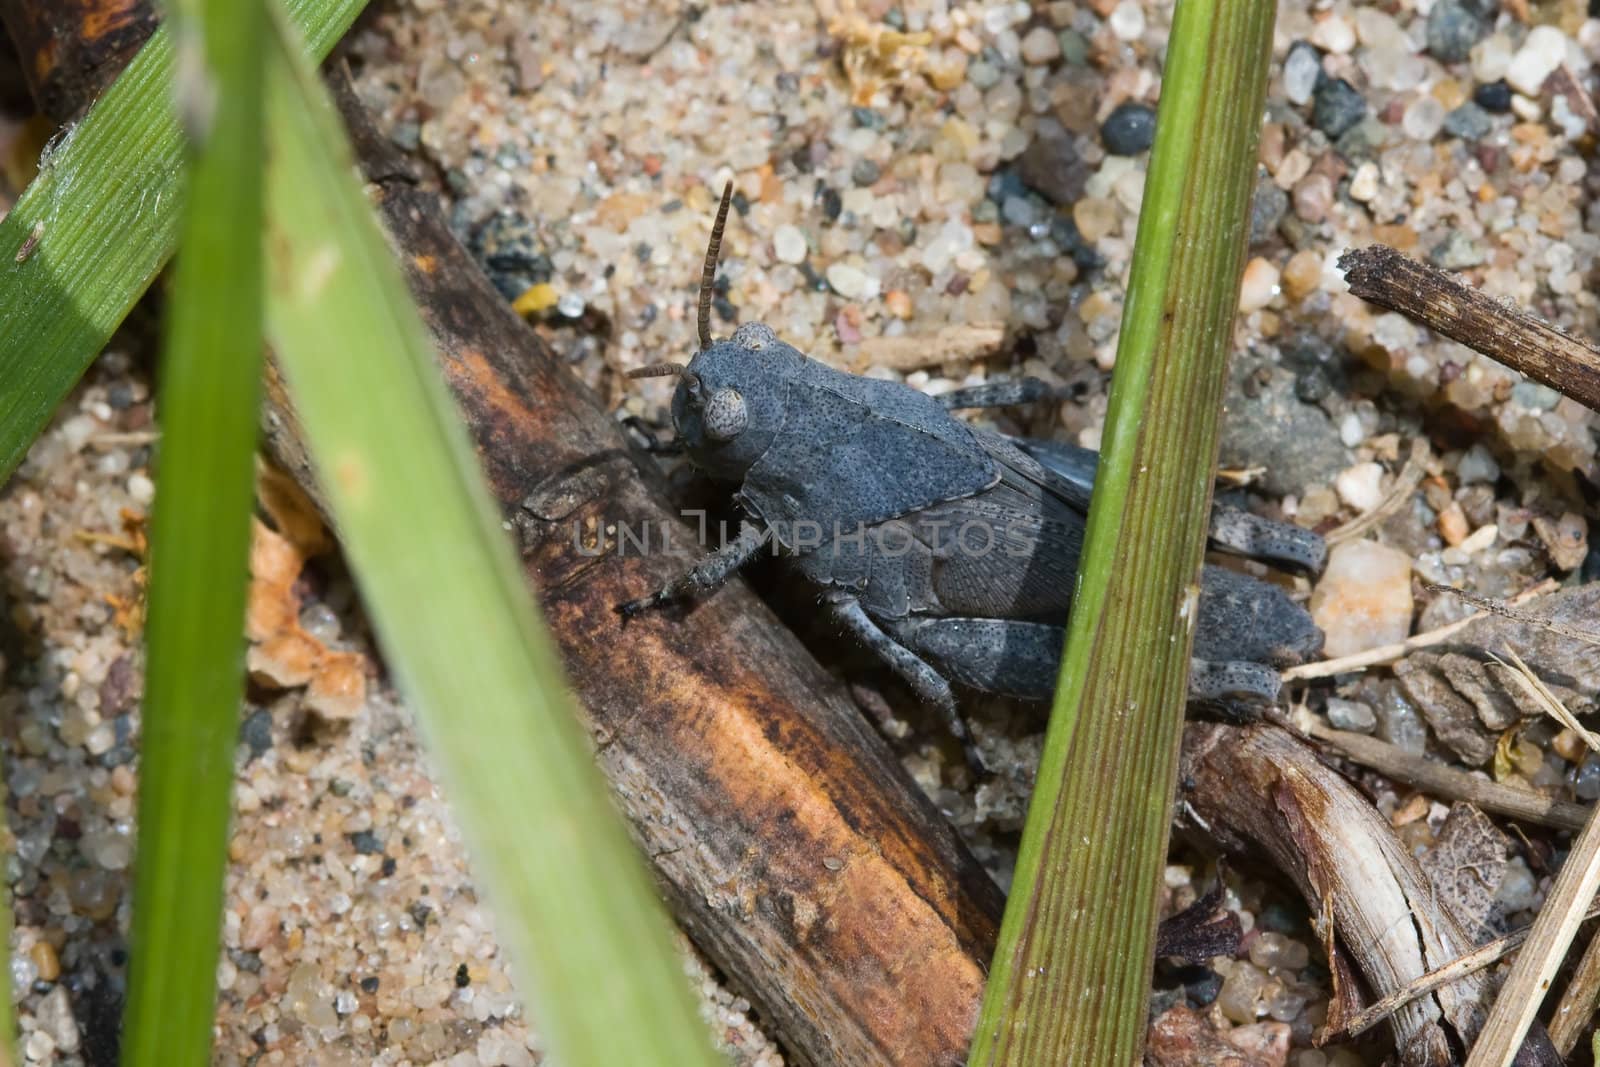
[1214, 682]
[926, 682]
[706, 576]
[1251, 535]
[998, 394]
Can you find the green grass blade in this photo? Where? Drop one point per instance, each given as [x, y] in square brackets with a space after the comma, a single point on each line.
[1071, 974]
[95, 226]
[588, 940]
[200, 537]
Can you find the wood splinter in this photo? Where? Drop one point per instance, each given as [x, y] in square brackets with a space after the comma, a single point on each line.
[1443, 303]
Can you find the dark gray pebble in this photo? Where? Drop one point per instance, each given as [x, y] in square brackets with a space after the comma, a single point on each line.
[1129, 130]
[1337, 106]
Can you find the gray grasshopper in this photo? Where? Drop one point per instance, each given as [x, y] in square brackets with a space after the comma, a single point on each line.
[948, 550]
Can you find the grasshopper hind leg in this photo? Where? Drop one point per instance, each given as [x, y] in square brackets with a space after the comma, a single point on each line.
[926, 682]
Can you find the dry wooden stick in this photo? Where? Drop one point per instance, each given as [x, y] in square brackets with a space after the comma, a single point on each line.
[1454, 971]
[1508, 611]
[1386, 654]
[1575, 1010]
[1439, 300]
[1260, 787]
[1444, 781]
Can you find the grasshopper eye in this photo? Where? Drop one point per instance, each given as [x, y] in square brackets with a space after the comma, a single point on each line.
[725, 415]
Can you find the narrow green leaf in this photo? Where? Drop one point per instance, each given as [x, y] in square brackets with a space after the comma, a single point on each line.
[1071, 974]
[200, 537]
[587, 938]
[95, 226]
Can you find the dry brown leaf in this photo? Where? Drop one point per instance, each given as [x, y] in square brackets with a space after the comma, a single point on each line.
[282, 655]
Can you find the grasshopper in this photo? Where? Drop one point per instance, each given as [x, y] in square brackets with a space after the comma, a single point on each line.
[948, 550]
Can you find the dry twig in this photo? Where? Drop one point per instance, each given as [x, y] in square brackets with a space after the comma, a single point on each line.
[1439, 780]
[1439, 300]
[1386, 654]
[1454, 971]
[1411, 476]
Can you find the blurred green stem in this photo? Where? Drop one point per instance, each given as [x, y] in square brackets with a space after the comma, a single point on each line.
[588, 940]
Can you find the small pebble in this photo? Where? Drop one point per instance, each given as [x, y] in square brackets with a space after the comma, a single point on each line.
[1129, 130]
[1586, 779]
[1360, 486]
[1364, 183]
[1400, 723]
[1536, 60]
[983, 74]
[1275, 951]
[1351, 431]
[1453, 524]
[852, 283]
[45, 961]
[1040, 47]
[1267, 208]
[1302, 274]
[1423, 118]
[1363, 599]
[1242, 990]
[1095, 217]
[1477, 465]
[570, 305]
[141, 489]
[1534, 396]
[1494, 97]
[1301, 70]
[1258, 286]
[1469, 122]
[1519, 889]
[1337, 107]
[1457, 252]
[1127, 20]
[1453, 29]
[1334, 34]
[1491, 57]
[864, 172]
[1351, 715]
[1312, 198]
[1074, 47]
[789, 243]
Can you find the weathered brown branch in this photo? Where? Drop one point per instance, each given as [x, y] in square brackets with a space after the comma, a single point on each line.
[1443, 303]
[1441, 780]
[72, 49]
[1259, 788]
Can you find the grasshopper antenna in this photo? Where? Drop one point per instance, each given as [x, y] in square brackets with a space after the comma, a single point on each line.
[708, 274]
[656, 370]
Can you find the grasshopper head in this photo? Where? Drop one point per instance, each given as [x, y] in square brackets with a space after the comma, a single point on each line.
[730, 399]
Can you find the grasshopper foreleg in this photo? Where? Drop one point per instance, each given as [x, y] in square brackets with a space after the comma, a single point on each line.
[704, 577]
